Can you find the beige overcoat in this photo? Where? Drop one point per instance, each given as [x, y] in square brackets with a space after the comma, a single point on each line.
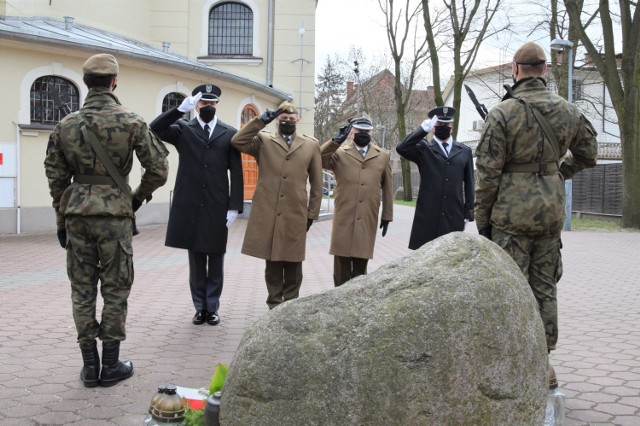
[361, 185]
[277, 228]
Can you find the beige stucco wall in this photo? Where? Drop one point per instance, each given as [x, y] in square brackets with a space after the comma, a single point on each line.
[142, 86]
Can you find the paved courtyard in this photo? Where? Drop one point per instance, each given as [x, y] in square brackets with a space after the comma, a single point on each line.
[597, 361]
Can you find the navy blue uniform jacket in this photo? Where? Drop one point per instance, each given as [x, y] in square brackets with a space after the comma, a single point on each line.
[446, 194]
[202, 194]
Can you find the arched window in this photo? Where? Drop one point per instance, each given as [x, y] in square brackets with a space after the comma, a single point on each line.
[249, 164]
[172, 100]
[231, 30]
[248, 112]
[52, 98]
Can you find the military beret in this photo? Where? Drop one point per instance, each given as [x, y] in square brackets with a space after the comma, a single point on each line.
[445, 114]
[210, 92]
[362, 123]
[102, 64]
[288, 108]
[530, 54]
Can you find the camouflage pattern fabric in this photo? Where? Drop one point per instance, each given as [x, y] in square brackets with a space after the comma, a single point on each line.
[122, 133]
[525, 210]
[99, 249]
[541, 262]
[529, 203]
[98, 217]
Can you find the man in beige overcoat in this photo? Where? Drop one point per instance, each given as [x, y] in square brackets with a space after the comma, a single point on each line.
[282, 211]
[363, 178]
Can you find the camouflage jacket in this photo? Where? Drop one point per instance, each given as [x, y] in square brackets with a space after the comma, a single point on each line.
[121, 132]
[522, 203]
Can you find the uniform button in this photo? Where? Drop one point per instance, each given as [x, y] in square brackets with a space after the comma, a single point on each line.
[441, 214]
[446, 180]
[448, 163]
[362, 167]
[201, 204]
[445, 197]
[206, 165]
[358, 218]
[279, 214]
[362, 184]
[284, 177]
[360, 200]
[204, 185]
[281, 195]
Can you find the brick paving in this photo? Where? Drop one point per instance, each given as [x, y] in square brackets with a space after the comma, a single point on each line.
[597, 361]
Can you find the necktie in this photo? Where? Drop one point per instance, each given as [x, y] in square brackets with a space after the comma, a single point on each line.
[288, 139]
[207, 130]
[444, 146]
[362, 152]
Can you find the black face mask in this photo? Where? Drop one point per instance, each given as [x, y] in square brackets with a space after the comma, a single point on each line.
[207, 113]
[287, 127]
[362, 139]
[442, 132]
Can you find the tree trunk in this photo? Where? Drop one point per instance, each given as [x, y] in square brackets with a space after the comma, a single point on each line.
[630, 140]
[406, 180]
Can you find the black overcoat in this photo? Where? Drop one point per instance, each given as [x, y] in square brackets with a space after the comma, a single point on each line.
[208, 183]
[446, 194]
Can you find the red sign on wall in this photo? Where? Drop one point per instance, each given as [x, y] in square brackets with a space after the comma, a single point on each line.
[0, 159]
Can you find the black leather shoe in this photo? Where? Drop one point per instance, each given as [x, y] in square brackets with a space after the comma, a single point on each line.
[213, 318]
[199, 317]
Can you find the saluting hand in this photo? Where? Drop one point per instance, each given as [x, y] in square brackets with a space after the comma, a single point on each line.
[189, 104]
[429, 124]
[342, 133]
[269, 115]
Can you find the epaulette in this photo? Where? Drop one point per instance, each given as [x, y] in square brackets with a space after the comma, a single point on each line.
[310, 137]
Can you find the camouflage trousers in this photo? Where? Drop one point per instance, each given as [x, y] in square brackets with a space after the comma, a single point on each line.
[99, 250]
[541, 262]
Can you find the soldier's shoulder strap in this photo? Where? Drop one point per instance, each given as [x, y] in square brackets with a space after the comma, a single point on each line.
[91, 138]
[544, 124]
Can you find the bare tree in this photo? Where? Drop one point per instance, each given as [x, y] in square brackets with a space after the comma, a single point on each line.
[403, 37]
[470, 23]
[330, 94]
[622, 79]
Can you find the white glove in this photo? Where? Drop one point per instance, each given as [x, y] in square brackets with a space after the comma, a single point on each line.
[427, 124]
[189, 104]
[231, 216]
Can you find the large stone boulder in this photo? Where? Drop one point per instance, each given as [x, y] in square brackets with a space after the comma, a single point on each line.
[449, 335]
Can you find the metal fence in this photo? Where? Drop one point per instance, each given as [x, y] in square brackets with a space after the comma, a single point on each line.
[597, 190]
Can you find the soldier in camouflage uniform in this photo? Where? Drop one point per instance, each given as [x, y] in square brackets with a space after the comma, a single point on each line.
[95, 218]
[520, 195]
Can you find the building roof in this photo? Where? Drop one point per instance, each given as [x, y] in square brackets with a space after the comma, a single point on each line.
[68, 34]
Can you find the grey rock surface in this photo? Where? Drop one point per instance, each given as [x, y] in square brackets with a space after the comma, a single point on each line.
[447, 335]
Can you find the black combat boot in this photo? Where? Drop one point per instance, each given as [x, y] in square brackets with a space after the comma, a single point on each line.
[113, 370]
[90, 373]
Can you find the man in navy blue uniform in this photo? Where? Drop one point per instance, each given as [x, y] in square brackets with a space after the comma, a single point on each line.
[208, 194]
[446, 194]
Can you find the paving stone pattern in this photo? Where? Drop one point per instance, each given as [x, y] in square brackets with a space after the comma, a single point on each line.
[597, 361]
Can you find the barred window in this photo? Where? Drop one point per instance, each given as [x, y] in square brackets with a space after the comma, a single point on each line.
[172, 100]
[230, 30]
[52, 98]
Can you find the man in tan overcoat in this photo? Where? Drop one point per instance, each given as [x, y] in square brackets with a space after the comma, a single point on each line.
[282, 211]
[363, 179]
